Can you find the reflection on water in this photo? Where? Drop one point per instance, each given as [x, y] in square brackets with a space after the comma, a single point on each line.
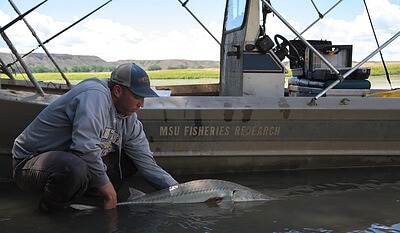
[361, 200]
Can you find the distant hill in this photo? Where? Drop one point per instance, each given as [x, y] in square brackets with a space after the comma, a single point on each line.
[63, 60]
[172, 63]
[68, 61]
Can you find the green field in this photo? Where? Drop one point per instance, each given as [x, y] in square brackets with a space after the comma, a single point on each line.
[199, 74]
[196, 76]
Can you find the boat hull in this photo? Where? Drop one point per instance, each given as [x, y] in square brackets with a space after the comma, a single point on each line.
[230, 134]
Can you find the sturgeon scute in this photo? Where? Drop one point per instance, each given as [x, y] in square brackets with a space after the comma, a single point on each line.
[197, 191]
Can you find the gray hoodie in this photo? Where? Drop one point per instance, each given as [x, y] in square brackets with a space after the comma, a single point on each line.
[85, 122]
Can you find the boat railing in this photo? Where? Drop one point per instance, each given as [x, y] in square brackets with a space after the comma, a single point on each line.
[323, 59]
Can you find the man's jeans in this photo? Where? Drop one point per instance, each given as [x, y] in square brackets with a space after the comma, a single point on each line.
[64, 177]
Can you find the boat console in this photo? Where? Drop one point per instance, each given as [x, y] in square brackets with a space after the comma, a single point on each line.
[252, 62]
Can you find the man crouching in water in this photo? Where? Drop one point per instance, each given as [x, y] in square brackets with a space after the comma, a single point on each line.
[89, 137]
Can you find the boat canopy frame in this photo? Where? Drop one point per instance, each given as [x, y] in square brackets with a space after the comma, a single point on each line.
[321, 16]
[340, 77]
[19, 59]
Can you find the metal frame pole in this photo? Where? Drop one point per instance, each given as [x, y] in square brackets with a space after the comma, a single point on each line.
[41, 44]
[304, 40]
[316, 21]
[358, 65]
[62, 31]
[316, 8]
[23, 64]
[20, 17]
[6, 70]
[184, 5]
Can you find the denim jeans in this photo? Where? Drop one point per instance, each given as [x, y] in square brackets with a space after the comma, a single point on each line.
[64, 176]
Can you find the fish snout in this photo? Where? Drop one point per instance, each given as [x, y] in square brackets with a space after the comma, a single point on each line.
[248, 195]
[263, 197]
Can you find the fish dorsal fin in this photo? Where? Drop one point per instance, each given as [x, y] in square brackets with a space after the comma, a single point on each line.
[134, 193]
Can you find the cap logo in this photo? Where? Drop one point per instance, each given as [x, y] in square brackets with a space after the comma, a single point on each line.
[144, 80]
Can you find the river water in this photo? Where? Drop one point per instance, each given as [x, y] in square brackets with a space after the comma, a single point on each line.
[345, 200]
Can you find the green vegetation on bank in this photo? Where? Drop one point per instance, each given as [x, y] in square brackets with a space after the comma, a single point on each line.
[157, 74]
[95, 68]
[380, 70]
[184, 73]
[376, 70]
[71, 76]
[394, 69]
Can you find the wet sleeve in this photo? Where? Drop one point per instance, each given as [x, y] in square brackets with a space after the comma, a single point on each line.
[137, 148]
[87, 113]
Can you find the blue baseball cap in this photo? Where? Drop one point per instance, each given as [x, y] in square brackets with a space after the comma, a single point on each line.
[135, 78]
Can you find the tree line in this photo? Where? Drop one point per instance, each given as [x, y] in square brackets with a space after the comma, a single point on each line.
[92, 68]
[73, 69]
[180, 67]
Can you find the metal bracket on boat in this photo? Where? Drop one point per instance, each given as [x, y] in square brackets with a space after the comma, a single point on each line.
[316, 8]
[340, 77]
[312, 102]
[236, 52]
[344, 101]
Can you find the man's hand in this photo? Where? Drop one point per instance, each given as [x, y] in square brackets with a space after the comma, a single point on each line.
[110, 196]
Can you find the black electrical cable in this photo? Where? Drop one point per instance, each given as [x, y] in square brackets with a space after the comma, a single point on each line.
[376, 39]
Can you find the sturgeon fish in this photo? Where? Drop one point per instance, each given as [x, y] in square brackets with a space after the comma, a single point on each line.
[197, 191]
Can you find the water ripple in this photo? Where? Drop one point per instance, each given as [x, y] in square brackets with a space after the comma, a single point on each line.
[2, 219]
[332, 188]
[379, 228]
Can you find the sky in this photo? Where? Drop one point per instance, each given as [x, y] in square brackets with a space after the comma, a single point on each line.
[163, 29]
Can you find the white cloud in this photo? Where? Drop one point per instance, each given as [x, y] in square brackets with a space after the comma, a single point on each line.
[22, 38]
[385, 17]
[192, 44]
[112, 40]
